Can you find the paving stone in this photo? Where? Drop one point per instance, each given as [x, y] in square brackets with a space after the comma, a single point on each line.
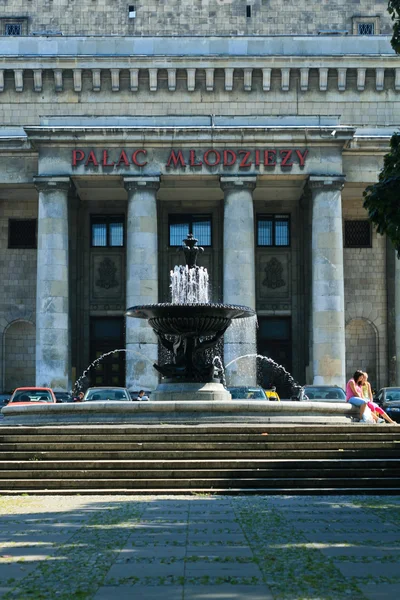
[356, 569]
[140, 592]
[140, 570]
[226, 592]
[383, 591]
[221, 569]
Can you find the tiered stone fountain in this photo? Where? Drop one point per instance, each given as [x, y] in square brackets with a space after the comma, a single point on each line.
[188, 327]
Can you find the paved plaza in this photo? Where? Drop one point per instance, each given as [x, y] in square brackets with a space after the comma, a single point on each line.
[199, 547]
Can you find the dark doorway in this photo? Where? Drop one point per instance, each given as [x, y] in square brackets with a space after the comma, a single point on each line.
[274, 340]
[106, 334]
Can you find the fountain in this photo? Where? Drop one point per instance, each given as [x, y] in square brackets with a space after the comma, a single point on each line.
[188, 327]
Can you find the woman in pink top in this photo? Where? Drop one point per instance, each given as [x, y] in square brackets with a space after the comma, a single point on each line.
[354, 392]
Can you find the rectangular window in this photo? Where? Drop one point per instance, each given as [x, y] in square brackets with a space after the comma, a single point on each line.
[13, 29]
[107, 231]
[366, 28]
[273, 230]
[357, 234]
[22, 233]
[181, 225]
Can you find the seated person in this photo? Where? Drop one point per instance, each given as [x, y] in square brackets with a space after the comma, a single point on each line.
[141, 397]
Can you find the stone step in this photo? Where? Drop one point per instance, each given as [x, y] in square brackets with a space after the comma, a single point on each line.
[243, 428]
[204, 473]
[194, 465]
[37, 454]
[262, 443]
[217, 484]
[381, 434]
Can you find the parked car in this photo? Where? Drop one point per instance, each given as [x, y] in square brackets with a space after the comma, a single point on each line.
[272, 394]
[32, 395]
[63, 397]
[247, 393]
[4, 399]
[320, 393]
[389, 399]
[107, 394]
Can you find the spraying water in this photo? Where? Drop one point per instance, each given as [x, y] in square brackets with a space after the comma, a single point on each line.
[189, 286]
[78, 383]
[288, 377]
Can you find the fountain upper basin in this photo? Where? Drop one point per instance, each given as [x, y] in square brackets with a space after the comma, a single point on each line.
[189, 319]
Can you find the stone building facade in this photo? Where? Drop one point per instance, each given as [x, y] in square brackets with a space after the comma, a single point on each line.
[257, 125]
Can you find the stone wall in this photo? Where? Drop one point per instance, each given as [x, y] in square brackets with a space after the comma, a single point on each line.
[19, 355]
[365, 303]
[194, 17]
[18, 286]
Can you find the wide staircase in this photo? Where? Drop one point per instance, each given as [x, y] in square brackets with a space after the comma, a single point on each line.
[181, 459]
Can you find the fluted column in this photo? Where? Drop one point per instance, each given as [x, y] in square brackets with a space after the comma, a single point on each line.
[141, 280]
[239, 275]
[53, 360]
[327, 310]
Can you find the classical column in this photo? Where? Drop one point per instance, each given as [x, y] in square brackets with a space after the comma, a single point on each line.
[141, 280]
[53, 360]
[327, 310]
[239, 276]
[397, 316]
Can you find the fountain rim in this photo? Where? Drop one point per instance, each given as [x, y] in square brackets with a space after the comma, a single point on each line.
[146, 311]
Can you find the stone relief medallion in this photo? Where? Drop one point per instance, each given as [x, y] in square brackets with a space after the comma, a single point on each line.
[273, 277]
[107, 279]
[107, 274]
[274, 274]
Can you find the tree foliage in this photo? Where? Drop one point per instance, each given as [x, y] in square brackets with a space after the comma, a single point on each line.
[394, 12]
[382, 200]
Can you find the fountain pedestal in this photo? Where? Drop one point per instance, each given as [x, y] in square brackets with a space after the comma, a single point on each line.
[188, 391]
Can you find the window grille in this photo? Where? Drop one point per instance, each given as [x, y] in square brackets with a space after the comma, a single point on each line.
[22, 233]
[357, 234]
[181, 225]
[107, 231]
[366, 28]
[273, 230]
[13, 29]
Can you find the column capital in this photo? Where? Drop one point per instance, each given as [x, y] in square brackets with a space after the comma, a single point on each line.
[326, 182]
[237, 182]
[50, 184]
[140, 183]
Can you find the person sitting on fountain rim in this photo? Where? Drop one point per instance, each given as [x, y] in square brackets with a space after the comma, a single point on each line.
[141, 397]
[354, 393]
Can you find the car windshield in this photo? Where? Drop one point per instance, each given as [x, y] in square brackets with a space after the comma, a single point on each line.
[32, 396]
[106, 394]
[324, 393]
[247, 393]
[392, 395]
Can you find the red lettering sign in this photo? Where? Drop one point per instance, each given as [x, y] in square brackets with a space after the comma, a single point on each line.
[217, 158]
[77, 156]
[240, 159]
[177, 159]
[91, 159]
[135, 159]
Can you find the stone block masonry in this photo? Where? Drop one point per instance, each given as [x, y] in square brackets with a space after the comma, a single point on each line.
[202, 17]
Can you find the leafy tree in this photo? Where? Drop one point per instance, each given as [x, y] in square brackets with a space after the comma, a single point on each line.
[382, 200]
[394, 12]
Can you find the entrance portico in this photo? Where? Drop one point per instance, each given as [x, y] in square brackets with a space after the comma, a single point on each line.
[231, 174]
